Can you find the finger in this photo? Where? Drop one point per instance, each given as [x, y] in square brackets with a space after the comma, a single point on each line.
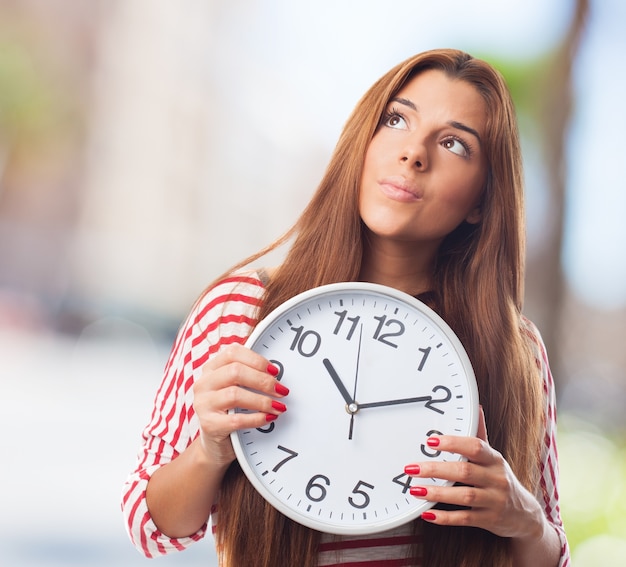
[462, 472]
[236, 397]
[241, 366]
[464, 496]
[455, 517]
[472, 448]
[219, 426]
[482, 426]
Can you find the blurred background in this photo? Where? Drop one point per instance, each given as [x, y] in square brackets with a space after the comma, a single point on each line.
[135, 134]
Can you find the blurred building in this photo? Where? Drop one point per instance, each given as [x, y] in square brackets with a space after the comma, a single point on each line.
[145, 147]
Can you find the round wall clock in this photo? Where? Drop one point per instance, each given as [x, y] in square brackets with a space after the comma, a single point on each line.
[372, 373]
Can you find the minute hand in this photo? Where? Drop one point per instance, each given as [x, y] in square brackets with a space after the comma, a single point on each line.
[395, 402]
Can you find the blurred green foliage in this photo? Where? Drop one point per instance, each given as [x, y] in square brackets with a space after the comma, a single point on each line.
[33, 106]
[593, 493]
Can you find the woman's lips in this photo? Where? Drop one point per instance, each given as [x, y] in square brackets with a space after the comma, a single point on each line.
[399, 189]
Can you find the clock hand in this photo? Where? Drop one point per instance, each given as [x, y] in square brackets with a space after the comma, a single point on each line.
[354, 407]
[333, 374]
[395, 402]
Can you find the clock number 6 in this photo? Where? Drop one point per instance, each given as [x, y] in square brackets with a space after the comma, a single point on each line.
[365, 495]
[313, 484]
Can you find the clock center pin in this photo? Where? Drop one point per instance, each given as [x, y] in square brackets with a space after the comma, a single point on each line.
[352, 408]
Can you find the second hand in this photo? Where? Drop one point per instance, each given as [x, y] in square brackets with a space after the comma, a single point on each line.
[356, 380]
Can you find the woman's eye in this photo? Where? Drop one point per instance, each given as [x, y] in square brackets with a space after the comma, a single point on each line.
[456, 147]
[395, 121]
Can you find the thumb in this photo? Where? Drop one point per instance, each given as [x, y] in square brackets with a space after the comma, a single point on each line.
[482, 426]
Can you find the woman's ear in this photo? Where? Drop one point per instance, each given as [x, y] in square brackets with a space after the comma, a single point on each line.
[475, 216]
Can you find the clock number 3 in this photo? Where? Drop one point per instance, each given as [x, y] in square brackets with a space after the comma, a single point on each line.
[427, 451]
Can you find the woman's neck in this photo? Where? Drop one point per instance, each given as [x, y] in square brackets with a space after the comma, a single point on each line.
[402, 265]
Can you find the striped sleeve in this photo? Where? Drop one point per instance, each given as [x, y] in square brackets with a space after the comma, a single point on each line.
[547, 492]
[222, 316]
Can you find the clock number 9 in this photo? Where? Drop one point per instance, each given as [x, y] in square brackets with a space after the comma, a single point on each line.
[281, 369]
[427, 450]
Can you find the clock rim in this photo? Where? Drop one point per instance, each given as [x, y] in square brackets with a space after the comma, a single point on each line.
[377, 526]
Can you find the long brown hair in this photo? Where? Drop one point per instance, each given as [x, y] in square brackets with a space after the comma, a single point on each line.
[478, 284]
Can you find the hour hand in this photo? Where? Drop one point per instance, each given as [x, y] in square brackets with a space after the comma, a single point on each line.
[395, 402]
[340, 386]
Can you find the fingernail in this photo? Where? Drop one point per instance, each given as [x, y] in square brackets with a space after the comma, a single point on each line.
[270, 417]
[280, 389]
[432, 441]
[418, 491]
[279, 406]
[412, 470]
[428, 516]
[273, 370]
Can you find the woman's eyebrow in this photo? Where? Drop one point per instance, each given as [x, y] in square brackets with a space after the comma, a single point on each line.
[405, 102]
[465, 128]
[453, 123]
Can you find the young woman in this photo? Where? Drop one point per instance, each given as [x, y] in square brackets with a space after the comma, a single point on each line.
[423, 193]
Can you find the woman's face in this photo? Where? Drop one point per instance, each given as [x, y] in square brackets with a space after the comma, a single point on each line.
[425, 167]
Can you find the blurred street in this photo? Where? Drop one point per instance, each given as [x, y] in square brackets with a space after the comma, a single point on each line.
[71, 411]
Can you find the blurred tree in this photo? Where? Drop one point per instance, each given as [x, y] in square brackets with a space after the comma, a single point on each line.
[543, 94]
[43, 51]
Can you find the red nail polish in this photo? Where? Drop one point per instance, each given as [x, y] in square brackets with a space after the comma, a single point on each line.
[279, 406]
[280, 389]
[412, 469]
[418, 491]
[432, 441]
[273, 370]
[270, 417]
[428, 516]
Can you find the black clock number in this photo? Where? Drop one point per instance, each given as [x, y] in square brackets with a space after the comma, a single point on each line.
[312, 346]
[404, 480]
[292, 455]
[315, 490]
[446, 397]
[425, 352]
[343, 316]
[281, 369]
[362, 493]
[396, 329]
[427, 451]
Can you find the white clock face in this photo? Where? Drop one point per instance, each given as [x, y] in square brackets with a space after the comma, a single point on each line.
[372, 374]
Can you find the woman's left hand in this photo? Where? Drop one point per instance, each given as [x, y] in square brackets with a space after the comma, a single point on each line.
[495, 499]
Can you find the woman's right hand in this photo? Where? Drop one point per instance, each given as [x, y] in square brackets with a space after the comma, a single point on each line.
[236, 377]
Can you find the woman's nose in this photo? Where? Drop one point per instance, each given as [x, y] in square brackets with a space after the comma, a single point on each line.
[415, 153]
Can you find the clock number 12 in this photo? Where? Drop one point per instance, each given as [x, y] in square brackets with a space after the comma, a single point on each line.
[396, 326]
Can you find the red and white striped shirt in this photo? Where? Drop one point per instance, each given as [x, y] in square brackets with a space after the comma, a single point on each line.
[226, 315]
